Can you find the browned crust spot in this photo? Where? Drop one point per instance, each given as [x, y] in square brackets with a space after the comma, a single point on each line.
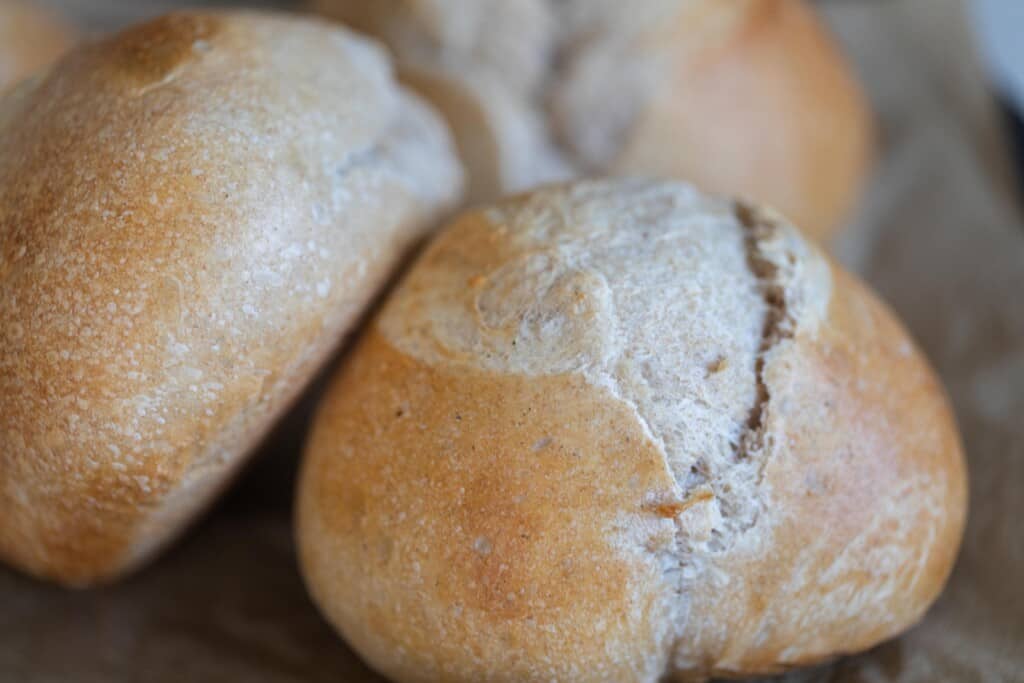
[152, 53]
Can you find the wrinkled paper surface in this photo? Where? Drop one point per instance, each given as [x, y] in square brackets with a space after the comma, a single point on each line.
[940, 236]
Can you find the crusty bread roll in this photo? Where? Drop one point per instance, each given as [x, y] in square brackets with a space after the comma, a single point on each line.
[615, 430]
[29, 39]
[192, 213]
[746, 97]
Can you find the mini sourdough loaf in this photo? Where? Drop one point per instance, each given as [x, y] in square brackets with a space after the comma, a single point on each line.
[192, 214]
[745, 97]
[29, 39]
[617, 430]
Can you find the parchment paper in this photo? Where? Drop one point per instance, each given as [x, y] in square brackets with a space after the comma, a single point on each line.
[940, 236]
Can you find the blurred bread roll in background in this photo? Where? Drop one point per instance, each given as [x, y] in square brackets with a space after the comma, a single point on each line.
[747, 97]
[617, 430]
[192, 214]
[30, 38]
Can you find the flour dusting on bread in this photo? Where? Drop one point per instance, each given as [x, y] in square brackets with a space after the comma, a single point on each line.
[669, 300]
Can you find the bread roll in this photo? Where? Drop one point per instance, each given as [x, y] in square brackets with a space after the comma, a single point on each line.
[192, 214]
[745, 97]
[29, 39]
[617, 430]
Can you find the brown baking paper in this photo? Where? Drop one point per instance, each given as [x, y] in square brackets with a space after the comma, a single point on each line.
[940, 236]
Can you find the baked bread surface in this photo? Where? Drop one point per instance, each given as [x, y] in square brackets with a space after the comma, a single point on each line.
[742, 97]
[29, 40]
[192, 214]
[615, 430]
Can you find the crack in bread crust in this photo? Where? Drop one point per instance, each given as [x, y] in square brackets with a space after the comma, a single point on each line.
[672, 303]
[644, 404]
[794, 295]
[778, 324]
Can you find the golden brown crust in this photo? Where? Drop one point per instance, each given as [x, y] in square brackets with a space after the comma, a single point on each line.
[523, 404]
[451, 522]
[868, 491]
[771, 112]
[747, 97]
[29, 40]
[192, 213]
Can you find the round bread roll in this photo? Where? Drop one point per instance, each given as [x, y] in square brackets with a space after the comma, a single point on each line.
[618, 430]
[746, 97]
[192, 214]
[29, 39]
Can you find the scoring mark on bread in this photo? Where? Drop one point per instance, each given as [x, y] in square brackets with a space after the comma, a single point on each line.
[759, 231]
[704, 531]
[778, 321]
[548, 286]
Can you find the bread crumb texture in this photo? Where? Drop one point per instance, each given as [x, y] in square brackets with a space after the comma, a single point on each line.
[614, 430]
[192, 212]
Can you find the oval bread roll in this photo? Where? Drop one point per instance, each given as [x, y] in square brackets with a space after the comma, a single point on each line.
[617, 430]
[29, 40]
[746, 97]
[192, 214]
